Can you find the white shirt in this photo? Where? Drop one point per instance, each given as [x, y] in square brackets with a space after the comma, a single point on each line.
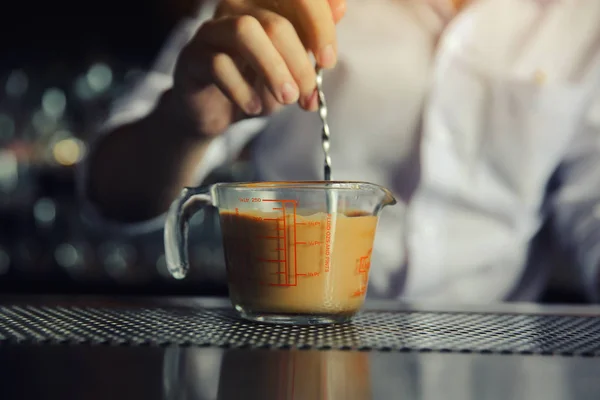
[465, 122]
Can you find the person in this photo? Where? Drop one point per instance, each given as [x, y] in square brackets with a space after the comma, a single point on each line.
[482, 117]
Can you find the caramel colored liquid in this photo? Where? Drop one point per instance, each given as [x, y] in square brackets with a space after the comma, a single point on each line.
[281, 262]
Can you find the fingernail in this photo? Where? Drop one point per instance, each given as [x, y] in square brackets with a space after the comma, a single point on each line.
[326, 57]
[254, 107]
[340, 10]
[305, 101]
[289, 93]
[312, 103]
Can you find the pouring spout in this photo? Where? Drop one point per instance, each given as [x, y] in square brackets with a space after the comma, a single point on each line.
[383, 195]
[388, 198]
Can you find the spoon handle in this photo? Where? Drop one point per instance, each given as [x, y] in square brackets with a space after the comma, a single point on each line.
[325, 133]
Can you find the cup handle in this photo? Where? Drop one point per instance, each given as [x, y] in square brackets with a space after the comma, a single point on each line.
[189, 202]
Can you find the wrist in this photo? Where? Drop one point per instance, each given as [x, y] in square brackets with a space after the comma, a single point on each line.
[201, 115]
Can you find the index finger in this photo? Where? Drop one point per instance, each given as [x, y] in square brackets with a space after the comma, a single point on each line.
[338, 9]
[317, 26]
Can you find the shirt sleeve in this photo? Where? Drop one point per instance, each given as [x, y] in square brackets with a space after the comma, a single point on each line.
[139, 102]
[576, 204]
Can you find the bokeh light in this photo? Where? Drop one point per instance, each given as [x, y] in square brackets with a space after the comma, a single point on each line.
[44, 211]
[99, 77]
[7, 127]
[68, 152]
[68, 257]
[17, 83]
[54, 102]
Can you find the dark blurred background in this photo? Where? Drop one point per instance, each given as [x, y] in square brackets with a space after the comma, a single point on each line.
[61, 64]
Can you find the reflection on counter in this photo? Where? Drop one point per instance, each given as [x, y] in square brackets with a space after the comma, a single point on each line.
[125, 373]
[295, 375]
[266, 374]
[202, 374]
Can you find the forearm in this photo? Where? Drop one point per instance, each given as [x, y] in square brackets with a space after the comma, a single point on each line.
[138, 169]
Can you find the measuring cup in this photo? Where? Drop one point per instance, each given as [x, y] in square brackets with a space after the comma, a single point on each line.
[288, 259]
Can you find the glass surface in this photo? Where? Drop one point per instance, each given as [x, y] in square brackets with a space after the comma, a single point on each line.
[295, 252]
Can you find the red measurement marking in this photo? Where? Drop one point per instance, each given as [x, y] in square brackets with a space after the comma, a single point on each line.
[310, 274]
[328, 244]
[286, 265]
[295, 238]
[281, 201]
[300, 223]
[363, 264]
[301, 243]
[283, 239]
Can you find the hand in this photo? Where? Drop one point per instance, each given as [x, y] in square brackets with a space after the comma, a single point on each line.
[253, 57]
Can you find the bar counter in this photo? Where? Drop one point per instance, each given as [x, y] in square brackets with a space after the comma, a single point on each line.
[181, 348]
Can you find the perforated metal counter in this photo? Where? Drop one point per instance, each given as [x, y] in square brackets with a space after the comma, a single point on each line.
[525, 350]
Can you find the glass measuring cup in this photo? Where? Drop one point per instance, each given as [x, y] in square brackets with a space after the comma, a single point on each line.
[289, 258]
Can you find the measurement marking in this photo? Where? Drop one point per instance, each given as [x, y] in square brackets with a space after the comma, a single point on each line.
[364, 264]
[300, 223]
[283, 247]
[270, 261]
[295, 241]
[282, 200]
[301, 243]
[287, 270]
